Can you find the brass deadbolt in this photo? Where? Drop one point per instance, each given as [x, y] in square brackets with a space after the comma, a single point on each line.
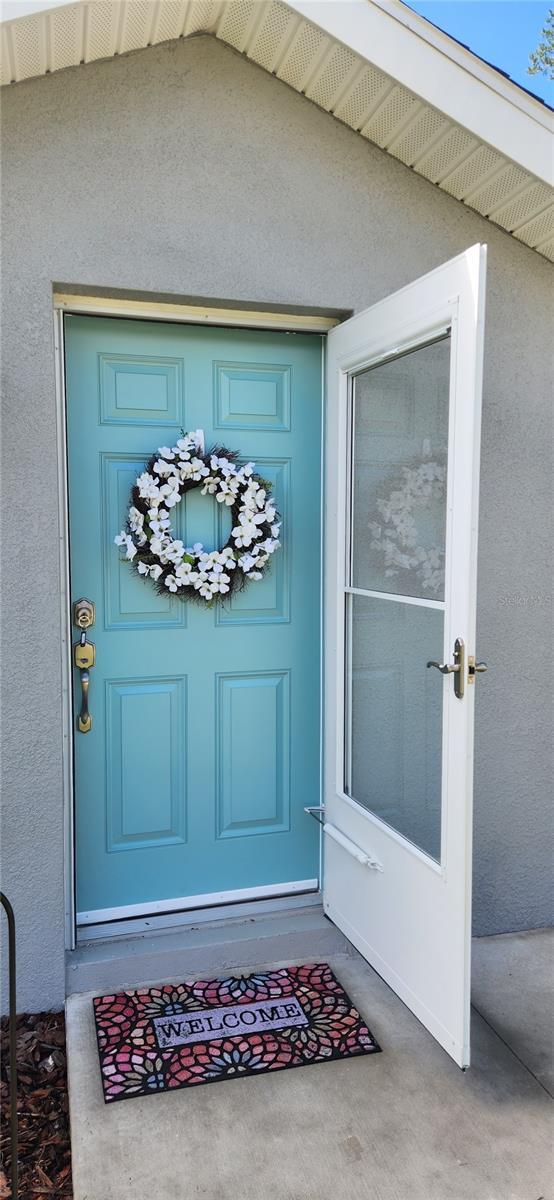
[83, 614]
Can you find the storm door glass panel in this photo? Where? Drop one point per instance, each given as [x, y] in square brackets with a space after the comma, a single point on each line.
[399, 451]
[395, 591]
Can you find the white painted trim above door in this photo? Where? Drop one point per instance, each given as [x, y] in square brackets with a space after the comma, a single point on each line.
[194, 314]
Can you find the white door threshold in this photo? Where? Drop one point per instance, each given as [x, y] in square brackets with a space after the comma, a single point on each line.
[190, 904]
[198, 913]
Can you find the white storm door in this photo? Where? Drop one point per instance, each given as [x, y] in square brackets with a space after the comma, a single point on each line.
[402, 471]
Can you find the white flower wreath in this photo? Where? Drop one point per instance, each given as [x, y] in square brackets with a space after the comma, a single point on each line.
[395, 534]
[193, 572]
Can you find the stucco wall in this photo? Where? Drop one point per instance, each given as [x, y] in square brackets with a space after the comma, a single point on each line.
[184, 169]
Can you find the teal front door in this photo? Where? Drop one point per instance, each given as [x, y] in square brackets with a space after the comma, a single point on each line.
[190, 786]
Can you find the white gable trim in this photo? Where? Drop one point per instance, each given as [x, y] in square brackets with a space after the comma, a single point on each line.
[373, 64]
[441, 73]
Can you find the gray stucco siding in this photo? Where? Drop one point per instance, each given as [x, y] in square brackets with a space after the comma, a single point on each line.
[183, 169]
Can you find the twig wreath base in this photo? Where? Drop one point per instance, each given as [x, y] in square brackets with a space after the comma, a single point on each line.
[190, 571]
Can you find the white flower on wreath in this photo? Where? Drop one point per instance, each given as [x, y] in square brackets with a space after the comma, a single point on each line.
[219, 582]
[154, 571]
[163, 468]
[185, 574]
[210, 487]
[169, 493]
[245, 532]
[190, 442]
[205, 589]
[159, 528]
[147, 486]
[136, 519]
[247, 561]
[194, 469]
[222, 465]
[125, 539]
[227, 491]
[174, 551]
[158, 545]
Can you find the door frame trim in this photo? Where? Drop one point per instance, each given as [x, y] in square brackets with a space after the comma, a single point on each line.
[101, 306]
[68, 791]
[194, 314]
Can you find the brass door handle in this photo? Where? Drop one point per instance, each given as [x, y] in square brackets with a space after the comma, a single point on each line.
[84, 720]
[84, 657]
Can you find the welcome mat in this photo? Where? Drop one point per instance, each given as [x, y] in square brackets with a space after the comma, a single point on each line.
[161, 1038]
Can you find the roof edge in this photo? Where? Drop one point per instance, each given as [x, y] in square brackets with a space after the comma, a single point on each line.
[463, 54]
[442, 73]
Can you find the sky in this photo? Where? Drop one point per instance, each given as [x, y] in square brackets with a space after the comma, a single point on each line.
[502, 31]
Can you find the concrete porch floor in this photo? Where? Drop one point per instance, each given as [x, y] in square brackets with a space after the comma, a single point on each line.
[403, 1125]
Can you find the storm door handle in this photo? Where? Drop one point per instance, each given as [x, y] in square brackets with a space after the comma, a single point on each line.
[457, 668]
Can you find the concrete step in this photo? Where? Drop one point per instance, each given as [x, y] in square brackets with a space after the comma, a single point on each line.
[216, 946]
[406, 1124]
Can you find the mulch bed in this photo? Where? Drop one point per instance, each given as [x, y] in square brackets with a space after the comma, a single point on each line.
[44, 1146]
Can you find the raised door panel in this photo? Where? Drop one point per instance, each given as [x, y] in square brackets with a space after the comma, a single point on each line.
[129, 602]
[253, 748]
[141, 390]
[146, 762]
[268, 601]
[251, 396]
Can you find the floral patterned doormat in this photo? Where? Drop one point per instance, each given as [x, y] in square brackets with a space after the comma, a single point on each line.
[162, 1038]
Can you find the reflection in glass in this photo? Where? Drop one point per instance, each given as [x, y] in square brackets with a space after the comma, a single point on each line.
[399, 458]
[394, 722]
